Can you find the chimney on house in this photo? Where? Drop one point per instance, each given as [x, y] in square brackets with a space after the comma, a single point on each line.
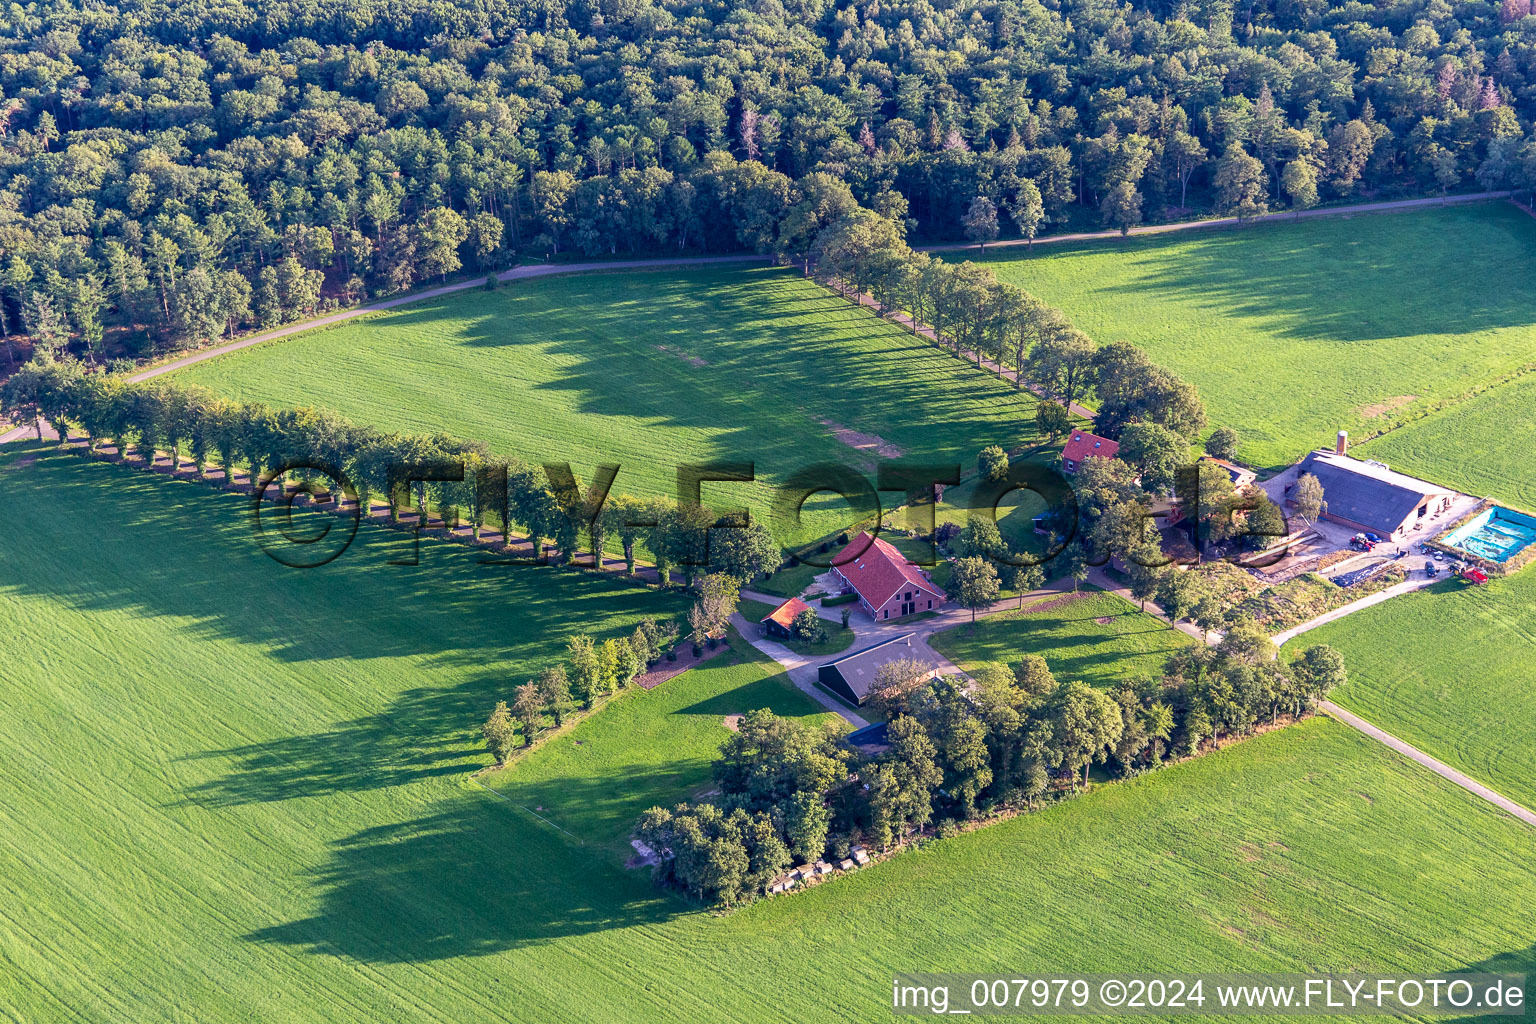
[1341, 447]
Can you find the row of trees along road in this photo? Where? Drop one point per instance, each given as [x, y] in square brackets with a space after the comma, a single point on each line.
[511, 495]
[185, 169]
[969, 310]
[594, 670]
[793, 793]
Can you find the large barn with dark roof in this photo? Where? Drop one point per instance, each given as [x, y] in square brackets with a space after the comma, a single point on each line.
[1369, 496]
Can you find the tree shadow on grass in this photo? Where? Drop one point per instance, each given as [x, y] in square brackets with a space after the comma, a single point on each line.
[600, 809]
[766, 353]
[1073, 642]
[1515, 961]
[474, 878]
[423, 733]
[1355, 280]
[122, 539]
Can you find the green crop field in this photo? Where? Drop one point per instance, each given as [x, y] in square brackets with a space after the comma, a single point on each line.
[1485, 445]
[650, 370]
[1096, 637]
[1449, 670]
[237, 792]
[1294, 331]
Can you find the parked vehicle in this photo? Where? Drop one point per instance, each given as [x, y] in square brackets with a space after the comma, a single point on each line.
[1473, 575]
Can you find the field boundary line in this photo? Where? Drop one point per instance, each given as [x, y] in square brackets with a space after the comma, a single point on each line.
[503, 797]
[1349, 718]
[1386, 206]
[1434, 764]
[1445, 404]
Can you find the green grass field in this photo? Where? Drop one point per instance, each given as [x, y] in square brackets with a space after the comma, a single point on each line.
[1096, 637]
[1484, 446]
[1294, 331]
[237, 792]
[647, 748]
[650, 370]
[1449, 670]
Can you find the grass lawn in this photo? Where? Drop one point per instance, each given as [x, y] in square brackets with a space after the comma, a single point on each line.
[647, 747]
[1485, 446]
[237, 792]
[1449, 670]
[1096, 637]
[651, 370]
[1292, 331]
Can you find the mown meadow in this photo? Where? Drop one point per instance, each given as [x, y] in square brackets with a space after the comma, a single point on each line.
[1485, 445]
[1449, 670]
[1293, 331]
[240, 792]
[1093, 636]
[651, 370]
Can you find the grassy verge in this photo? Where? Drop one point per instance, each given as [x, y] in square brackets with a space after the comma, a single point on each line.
[1095, 636]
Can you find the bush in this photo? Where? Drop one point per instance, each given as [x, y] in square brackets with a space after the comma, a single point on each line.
[834, 601]
[1222, 443]
[992, 464]
[807, 628]
[672, 654]
[491, 283]
[1052, 420]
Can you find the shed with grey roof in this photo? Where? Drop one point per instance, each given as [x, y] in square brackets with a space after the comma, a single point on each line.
[852, 677]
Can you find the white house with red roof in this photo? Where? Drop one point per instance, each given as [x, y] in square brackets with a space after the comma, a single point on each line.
[1083, 445]
[889, 586]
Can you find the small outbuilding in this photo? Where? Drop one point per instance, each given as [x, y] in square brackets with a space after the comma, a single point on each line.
[1241, 476]
[780, 622]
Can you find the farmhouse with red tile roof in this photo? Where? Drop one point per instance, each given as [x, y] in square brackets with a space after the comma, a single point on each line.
[1084, 445]
[888, 586]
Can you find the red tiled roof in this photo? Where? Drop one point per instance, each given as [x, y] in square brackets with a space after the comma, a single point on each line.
[1084, 444]
[882, 571]
[785, 613]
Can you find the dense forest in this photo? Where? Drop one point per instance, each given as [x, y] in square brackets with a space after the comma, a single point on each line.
[170, 172]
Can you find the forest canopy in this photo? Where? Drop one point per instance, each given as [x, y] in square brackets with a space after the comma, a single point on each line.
[174, 171]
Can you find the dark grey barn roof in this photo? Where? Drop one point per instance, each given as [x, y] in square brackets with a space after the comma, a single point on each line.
[858, 669]
[1372, 495]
